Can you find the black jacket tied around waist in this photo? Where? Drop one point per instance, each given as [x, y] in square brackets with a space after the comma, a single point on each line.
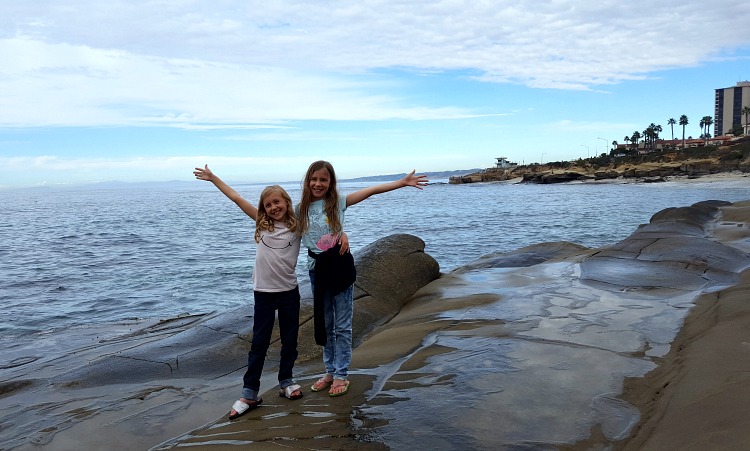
[334, 273]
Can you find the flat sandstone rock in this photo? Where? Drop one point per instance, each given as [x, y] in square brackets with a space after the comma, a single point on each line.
[547, 347]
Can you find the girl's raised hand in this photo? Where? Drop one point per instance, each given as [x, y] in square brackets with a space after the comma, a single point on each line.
[203, 173]
[417, 181]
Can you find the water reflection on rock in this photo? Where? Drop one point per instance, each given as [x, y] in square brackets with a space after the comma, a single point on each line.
[525, 350]
[541, 364]
[540, 360]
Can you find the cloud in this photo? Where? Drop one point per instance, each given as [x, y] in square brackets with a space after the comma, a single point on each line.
[67, 85]
[232, 63]
[54, 170]
[61, 171]
[518, 39]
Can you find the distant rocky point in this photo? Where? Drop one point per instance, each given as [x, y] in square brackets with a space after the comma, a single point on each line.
[646, 167]
[440, 175]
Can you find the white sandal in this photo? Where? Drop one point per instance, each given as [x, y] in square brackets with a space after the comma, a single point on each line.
[288, 392]
[242, 407]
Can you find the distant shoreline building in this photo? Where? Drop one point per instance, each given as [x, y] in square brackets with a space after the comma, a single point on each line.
[503, 163]
[728, 107]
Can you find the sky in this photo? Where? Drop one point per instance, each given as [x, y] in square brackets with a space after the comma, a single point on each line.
[136, 91]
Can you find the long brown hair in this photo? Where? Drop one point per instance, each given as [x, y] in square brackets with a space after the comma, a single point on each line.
[330, 202]
[264, 222]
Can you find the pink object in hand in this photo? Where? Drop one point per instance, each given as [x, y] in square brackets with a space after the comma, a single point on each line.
[327, 241]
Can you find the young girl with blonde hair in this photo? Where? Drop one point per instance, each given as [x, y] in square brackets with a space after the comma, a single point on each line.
[321, 221]
[275, 287]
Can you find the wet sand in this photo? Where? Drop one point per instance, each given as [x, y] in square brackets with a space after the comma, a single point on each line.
[698, 396]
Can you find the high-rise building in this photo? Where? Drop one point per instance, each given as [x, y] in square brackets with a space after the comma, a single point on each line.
[728, 107]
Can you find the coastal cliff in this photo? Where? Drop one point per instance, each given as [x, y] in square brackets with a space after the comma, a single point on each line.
[647, 167]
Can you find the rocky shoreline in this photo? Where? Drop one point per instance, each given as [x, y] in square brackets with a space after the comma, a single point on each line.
[647, 168]
[550, 346]
[554, 346]
[643, 172]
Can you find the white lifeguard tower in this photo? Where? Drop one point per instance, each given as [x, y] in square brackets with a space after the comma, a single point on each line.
[503, 163]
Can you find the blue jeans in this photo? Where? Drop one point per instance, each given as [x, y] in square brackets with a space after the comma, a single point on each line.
[338, 312]
[264, 315]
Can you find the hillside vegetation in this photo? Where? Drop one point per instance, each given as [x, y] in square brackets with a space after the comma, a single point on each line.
[653, 166]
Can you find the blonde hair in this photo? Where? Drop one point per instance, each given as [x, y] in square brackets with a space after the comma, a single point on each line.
[330, 202]
[264, 222]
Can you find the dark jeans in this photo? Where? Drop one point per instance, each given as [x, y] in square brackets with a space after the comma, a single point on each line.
[266, 306]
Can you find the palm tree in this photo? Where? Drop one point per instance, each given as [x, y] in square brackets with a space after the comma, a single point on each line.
[671, 123]
[683, 122]
[651, 134]
[648, 136]
[707, 121]
[746, 112]
[627, 140]
[635, 139]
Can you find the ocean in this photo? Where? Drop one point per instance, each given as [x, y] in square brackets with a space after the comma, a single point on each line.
[85, 257]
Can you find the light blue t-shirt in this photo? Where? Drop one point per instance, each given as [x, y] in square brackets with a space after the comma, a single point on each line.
[318, 237]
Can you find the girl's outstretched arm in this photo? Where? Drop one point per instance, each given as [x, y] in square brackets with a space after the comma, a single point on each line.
[417, 181]
[247, 207]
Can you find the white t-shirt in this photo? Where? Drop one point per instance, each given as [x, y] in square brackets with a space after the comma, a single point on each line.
[276, 260]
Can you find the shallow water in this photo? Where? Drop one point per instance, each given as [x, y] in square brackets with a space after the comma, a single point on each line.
[544, 364]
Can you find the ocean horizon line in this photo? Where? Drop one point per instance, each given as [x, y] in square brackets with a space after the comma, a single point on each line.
[121, 184]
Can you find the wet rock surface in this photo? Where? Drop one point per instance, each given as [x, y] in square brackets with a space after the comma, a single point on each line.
[527, 350]
[533, 349]
[141, 375]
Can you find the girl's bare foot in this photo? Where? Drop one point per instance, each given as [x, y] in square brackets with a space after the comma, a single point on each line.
[339, 387]
[322, 383]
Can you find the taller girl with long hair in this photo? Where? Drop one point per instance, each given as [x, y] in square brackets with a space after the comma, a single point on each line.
[321, 215]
